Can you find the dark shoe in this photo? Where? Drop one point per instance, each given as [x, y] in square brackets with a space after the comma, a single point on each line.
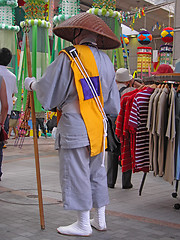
[110, 185]
[127, 187]
[126, 179]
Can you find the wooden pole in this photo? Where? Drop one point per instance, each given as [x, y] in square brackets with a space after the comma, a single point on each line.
[36, 152]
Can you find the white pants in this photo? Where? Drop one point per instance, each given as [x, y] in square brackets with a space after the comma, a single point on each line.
[83, 179]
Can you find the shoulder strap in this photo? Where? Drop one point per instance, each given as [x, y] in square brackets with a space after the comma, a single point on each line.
[68, 49]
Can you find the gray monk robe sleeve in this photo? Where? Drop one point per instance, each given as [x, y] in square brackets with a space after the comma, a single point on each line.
[56, 88]
[52, 87]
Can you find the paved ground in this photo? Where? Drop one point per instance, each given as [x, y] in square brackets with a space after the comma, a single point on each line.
[150, 216]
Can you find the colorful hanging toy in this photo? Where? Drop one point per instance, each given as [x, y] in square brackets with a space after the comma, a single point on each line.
[166, 51]
[144, 54]
[106, 10]
[8, 30]
[67, 9]
[7, 18]
[35, 14]
[144, 37]
[126, 39]
[36, 27]
[167, 34]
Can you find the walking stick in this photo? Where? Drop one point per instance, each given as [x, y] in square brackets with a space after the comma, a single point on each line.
[36, 153]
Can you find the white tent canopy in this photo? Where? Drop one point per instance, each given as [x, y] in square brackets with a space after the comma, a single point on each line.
[128, 31]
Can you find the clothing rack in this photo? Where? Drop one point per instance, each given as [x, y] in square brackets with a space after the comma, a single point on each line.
[166, 78]
[163, 78]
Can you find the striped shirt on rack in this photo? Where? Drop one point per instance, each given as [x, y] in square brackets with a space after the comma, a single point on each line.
[138, 121]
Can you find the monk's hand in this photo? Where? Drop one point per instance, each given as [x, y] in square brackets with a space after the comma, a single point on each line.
[28, 83]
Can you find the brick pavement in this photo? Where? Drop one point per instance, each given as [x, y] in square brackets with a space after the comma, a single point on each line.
[129, 216]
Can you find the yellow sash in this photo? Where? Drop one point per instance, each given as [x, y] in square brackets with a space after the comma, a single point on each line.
[89, 110]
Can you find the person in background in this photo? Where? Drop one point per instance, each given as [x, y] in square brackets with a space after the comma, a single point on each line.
[81, 129]
[124, 83]
[40, 117]
[13, 120]
[51, 123]
[10, 81]
[3, 114]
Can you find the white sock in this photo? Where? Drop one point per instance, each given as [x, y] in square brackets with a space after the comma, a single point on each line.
[99, 221]
[80, 228]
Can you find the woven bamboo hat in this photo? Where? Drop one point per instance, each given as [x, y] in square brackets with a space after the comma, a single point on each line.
[106, 38]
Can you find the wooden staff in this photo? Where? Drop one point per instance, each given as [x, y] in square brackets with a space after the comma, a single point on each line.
[36, 152]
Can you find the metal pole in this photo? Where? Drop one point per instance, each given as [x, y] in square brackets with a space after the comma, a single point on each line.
[142, 183]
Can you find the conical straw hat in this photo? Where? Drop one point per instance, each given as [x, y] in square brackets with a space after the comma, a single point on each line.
[106, 38]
